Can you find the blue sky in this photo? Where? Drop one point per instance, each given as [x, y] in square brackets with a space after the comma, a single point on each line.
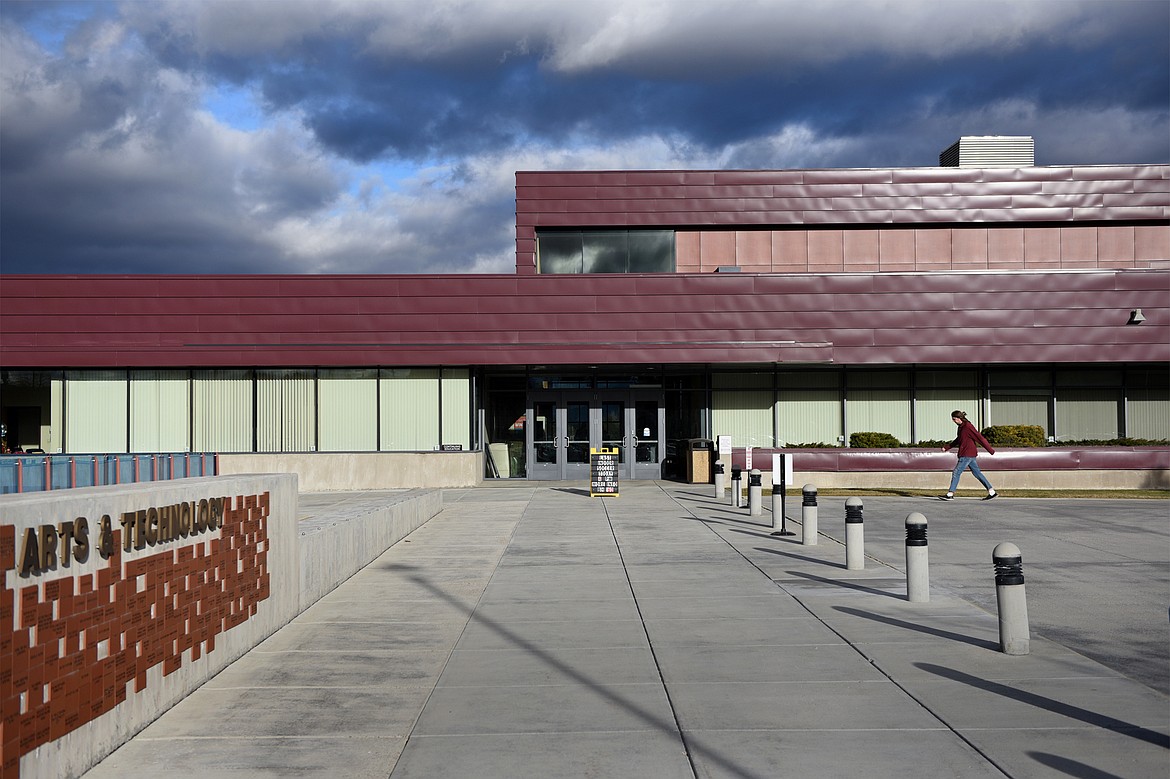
[350, 136]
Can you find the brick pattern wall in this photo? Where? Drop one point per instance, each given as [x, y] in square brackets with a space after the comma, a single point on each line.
[71, 646]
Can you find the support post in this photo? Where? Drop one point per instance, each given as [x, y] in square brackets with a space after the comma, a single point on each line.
[1014, 637]
[736, 486]
[720, 481]
[854, 535]
[808, 515]
[917, 562]
[755, 490]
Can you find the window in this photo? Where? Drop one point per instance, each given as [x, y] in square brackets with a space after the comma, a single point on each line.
[606, 251]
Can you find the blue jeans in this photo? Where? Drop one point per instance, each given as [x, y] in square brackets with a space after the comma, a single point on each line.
[963, 464]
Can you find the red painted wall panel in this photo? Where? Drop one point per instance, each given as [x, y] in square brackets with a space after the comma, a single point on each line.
[946, 318]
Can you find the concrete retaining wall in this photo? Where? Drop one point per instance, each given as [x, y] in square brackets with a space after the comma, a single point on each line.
[97, 640]
[328, 471]
[336, 547]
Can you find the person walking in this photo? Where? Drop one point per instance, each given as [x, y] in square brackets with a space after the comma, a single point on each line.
[969, 440]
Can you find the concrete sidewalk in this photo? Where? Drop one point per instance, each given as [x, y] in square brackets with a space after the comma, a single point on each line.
[533, 631]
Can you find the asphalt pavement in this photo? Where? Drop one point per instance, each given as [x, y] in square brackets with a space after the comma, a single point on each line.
[533, 631]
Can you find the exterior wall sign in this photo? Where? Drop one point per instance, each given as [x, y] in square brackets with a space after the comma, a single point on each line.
[170, 579]
[46, 546]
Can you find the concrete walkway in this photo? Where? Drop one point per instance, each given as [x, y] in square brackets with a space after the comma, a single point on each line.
[532, 631]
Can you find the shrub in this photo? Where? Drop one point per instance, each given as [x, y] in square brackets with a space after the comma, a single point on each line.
[1015, 435]
[1113, 442]
[817, 445]
[873, 441]
[931, 444]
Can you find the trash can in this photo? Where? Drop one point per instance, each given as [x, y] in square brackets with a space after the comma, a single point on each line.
[698, 460]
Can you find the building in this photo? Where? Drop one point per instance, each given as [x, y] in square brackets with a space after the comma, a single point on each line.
[783, 308]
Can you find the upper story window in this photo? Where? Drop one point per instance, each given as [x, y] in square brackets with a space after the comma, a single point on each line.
[605, 251]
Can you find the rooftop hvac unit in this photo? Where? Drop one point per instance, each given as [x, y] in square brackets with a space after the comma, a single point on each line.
[990, 151]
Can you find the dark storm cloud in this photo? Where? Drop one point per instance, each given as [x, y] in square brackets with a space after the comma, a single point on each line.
[386, 134]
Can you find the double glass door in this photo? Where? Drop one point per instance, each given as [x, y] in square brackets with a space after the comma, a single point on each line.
[564, 425]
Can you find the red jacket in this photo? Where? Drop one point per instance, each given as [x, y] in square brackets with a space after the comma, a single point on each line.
[969, 441]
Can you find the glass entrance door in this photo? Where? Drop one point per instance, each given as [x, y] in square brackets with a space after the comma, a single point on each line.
[567, 424]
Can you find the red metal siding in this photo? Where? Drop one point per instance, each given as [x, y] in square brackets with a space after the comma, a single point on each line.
[936, 318]
[920, 201]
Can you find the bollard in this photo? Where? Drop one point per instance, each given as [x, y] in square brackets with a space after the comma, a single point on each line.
[779, 520]
[808, 515]
[755, 490]
[720, 481]
[1009, 595]
[854, 535]
[917, 563]
[736, 486]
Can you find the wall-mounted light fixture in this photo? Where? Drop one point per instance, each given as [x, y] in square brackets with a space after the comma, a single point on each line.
[1136, 317]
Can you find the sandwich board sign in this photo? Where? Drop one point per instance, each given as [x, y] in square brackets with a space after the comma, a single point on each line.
[603, 473]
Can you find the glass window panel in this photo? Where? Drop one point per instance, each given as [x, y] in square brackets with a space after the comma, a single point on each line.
[652, 251]
[1019, 379]
[222, 410]
[559, 382]
[646, 430]
[946, 379]
[1020, 407]
[577, 431]
[878, 380]
[811, 416]
[741, 380]
[410, 409]
[604, 253]
[559, 252]
[879, 411]
[95, 411]
[933, 409]
[809, 380]
[1088, 378]
[347, 402]
[1087, 414]
[745, 416]
[544, 430]
[1149, 414]
[160, 411]
[1159, 378]
[285, 411]
[456, 389]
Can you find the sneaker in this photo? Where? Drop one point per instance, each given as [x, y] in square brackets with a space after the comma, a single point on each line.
[948, 496]
[992, 494]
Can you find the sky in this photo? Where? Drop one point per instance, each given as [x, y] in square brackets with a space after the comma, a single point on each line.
[383, 136]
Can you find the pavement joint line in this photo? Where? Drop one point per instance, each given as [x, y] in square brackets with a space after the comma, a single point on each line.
[688, 748]
[905, 691]
[434, 686]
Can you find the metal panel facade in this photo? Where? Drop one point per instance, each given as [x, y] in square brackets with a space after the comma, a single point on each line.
[941, 318]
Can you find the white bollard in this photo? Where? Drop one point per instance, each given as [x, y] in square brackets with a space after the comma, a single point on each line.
[1014, 638]
[720, 481]
[854, 535]
[917, 562]
[755, 493]
[808, 515]
[736, 486]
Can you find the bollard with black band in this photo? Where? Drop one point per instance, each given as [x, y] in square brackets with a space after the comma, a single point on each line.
[736, 486]
[755, 490]
[808, 515]
[854, 535]
[720, 481]
[917, 562]
[1014, 637]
